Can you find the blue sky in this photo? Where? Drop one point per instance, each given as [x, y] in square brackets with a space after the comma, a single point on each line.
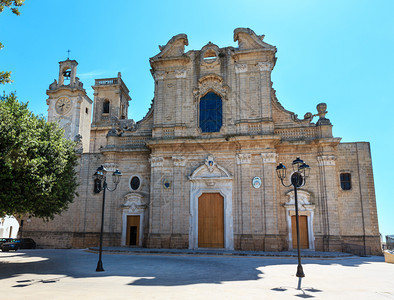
[338, 52]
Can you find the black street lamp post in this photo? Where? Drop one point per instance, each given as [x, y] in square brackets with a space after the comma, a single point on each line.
[101, 185]
[298, 179]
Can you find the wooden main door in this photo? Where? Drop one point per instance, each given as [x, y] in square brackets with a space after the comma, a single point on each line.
[303, 223]
[133, 230]
[211, 221]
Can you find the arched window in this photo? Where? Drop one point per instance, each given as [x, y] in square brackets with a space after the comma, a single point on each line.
[210, 113]
[106, 107]
[67, 73]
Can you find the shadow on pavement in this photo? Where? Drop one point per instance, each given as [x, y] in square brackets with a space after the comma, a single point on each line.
[150, 270]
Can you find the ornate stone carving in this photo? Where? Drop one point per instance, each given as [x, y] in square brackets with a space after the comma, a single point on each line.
[210, 56]
[269, 158]
[179, 161]
[264, 66]
[134, 203]
[174, 47]
[110, 167]
[241, 68]
[127, 125]
[321, 112]
[156, 161]
[53, 85]
[211, 82]
[248, 39]
[209, 182]
[243, 158]
[326, 160]
[159, 75]
[210, 163]
[180, 73]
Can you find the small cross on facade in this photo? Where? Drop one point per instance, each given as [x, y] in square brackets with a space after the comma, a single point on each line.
[68, 54]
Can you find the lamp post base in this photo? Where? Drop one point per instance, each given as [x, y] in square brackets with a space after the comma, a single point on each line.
[300, 271]
[99, 266]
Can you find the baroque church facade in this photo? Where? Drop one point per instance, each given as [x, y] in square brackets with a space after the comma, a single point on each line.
[199, 170]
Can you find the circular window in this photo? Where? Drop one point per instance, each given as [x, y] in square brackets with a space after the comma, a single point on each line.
[135, 183]
[209, 56]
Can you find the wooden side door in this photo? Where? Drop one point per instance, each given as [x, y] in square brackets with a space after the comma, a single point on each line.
[133, 230]
[303, 223]
[211, 221]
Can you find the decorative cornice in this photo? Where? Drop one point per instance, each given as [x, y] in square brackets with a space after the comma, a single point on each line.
[265, 66]
[243, 158]
[326, 160]
[179, 161]
[241, 68]
[156, 161]
[269, 158]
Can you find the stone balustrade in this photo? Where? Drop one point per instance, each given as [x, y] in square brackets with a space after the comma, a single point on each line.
[289, 134]
[106, 81]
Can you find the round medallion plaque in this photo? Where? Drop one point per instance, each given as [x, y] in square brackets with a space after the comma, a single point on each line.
[256, 182]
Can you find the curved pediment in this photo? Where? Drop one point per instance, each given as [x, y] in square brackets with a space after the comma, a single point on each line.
[248, 39]
[175, 47]
[134, 202]
[210, 170]
[303, 198]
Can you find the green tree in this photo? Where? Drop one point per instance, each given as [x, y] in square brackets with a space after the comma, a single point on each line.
[37, 164]
[5, 77]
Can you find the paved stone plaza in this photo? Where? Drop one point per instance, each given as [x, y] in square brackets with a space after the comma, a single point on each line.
[70, 274]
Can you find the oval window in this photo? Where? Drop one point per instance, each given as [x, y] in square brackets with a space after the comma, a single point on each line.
[135, 183]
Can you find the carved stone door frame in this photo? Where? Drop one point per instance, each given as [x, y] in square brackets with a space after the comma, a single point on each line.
[305, 208]
[211, 178]
[133, 205]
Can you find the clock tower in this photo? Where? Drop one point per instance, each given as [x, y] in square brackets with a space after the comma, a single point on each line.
[69, 105]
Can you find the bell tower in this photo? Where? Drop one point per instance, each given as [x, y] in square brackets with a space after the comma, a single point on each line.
[69, 105]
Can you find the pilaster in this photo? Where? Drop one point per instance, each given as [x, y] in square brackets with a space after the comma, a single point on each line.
[265, 69]
[245, 214]
[269, 184]
[328, 198]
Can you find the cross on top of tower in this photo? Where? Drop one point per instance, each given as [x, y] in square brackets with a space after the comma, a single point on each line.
[68, 53]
